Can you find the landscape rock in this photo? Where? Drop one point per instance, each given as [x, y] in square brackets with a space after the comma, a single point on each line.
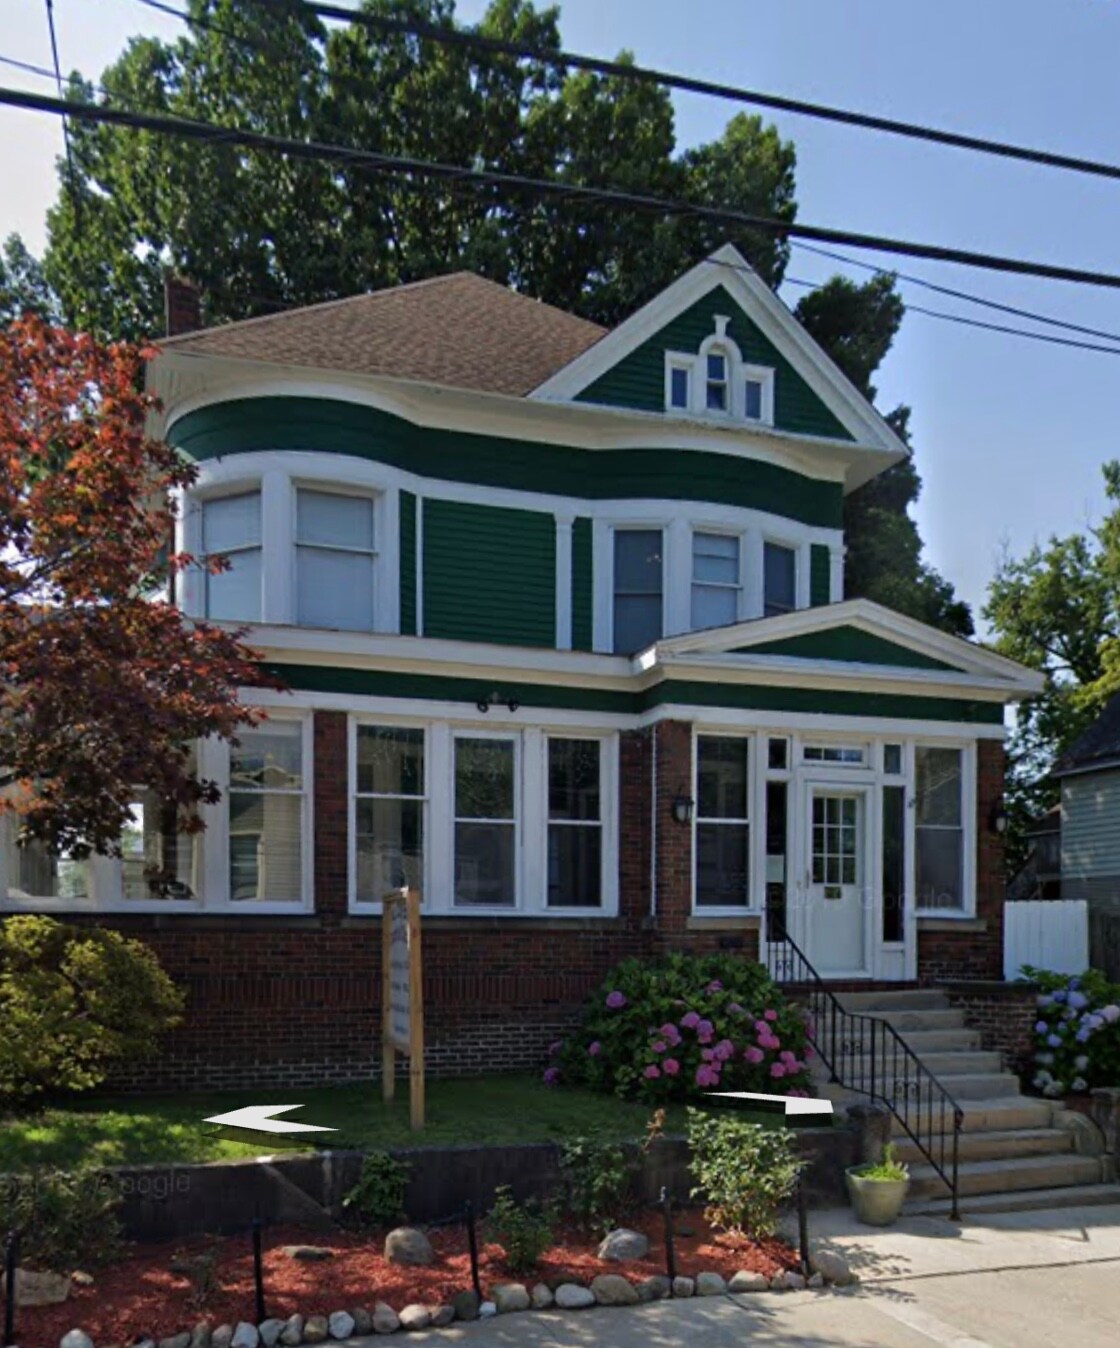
[76, 1338]
[308, 1254]
[466, 1305]
[510, 1296]
[779, 1282]
[409, 1245]
[222, 1337]
[816, 1280]
[245, 1335]
[270, 1331]
[683, 1287]
[487, 1310]
[710, 1285]
[612, 1289]
[832, 1267]
[40, 1289]
[201, 1336]
[795, 1282]
[292, 1333]
[82, 1278]
[622, 1246]
[182, 1340]
[315, 1329]
[341, 1324]
[570, 1296]
[415, 1316]
[385, 1319]
[541, 1296]
[655, 1288]
[363, 1321]
[442, 1316]
[746, 1280]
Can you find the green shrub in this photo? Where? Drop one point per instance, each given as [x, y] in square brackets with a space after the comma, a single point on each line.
[75, 1001]
[1077, 1034]
[378, 1197]
[66, 1219]
[673, 1028]
[743, 1171]
[523, 1230]
[598, 1181]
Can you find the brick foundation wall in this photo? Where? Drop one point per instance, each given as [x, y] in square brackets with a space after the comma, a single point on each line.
[1004, 1014]
[974, 950]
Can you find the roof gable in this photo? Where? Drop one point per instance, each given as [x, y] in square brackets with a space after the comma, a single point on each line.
[628, 364]
[1097, 747]
[852, 645]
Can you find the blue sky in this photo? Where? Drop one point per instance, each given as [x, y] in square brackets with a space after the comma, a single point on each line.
[1010, 434]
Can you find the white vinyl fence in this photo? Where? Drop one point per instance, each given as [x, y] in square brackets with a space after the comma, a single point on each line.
[1050, 935]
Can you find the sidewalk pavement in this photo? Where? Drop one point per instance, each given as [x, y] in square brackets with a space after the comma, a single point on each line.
[1013, 1280]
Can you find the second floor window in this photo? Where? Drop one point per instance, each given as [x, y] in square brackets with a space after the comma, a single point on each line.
[715, 580]
[231, 528]
[334, 560]
[779, 566]
[638, 585]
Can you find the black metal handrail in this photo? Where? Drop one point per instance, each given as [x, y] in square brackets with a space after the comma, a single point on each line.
[868, 1056]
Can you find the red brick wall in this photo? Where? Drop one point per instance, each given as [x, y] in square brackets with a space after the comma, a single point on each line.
[1004, 1013]
[969, 953]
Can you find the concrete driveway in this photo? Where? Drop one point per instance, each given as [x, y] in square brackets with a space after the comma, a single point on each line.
[1018, 1280]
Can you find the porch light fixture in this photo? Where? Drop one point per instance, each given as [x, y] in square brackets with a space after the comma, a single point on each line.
[495, 699]
[997, 820]
[682, 807]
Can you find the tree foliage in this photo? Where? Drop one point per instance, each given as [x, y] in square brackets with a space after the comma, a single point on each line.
[103, 683]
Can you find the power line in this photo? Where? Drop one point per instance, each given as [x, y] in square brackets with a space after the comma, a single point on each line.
[65, 124]
[470, 38]
[331, 152]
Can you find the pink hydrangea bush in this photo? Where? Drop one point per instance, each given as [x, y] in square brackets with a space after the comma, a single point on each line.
[673, 1028]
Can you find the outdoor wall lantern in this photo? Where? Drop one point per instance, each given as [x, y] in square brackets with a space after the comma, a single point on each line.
[495, 699]
[682, 807]
[997, 820]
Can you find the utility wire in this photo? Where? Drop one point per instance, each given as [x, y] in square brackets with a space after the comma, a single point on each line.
[330, 152]
[565, 60]
[74, 204]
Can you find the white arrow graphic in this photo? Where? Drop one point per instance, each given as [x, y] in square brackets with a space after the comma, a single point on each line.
[259, 1119]
[793, 1104]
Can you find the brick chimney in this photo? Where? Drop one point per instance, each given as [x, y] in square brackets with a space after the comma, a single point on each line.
[182, 305]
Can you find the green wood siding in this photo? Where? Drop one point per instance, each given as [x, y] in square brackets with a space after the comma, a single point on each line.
[638, 380]
[248, 425]
[408, 564]
[820, 575]
[489, 574]
[582, 585]
[849, 644]
[372, 683]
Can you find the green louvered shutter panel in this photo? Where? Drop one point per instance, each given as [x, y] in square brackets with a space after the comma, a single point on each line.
[489, 574]
[820, 574]
[408, 564]
[582, 581]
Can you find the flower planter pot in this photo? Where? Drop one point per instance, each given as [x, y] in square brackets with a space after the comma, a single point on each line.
[876, 1202]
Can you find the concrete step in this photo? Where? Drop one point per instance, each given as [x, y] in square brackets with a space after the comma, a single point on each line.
[942, 1041]
[947, 1062]
[979, 1085]
[1003, 1114]
[1020, 1200]
[904, 999]
[1060, 1171]
[998, 1145]
[911, 1022]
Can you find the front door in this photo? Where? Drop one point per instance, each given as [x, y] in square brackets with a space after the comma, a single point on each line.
[835, 924]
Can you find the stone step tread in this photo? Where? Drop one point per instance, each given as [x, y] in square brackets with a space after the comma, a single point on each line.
[912, 1022]
[985, 1085]
[956, 1062]
[987, 1116]
[997, 1144]
[1022, 1200]
[904, 999]
[1016, 1172]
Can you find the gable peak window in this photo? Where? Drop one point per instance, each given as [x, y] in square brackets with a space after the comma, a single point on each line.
[717, 381]
[715, 388]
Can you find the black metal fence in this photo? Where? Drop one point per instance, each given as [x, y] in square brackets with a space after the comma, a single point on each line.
[865, 1054]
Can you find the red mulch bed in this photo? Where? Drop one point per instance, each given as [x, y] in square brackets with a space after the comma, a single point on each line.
[141, 1297]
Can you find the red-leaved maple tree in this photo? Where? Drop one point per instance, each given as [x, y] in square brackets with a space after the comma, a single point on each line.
[104, 684]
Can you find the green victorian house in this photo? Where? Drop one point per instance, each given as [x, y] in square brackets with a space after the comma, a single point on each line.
[561, 616]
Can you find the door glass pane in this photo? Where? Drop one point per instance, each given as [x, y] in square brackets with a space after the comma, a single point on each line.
[776, 834]
[334, 589]
[835, 858]
[894, 861]
[335, 520]
[779, 566]
[722, 777]
[484, 779]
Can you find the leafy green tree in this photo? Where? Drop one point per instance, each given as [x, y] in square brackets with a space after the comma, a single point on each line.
[23, 286]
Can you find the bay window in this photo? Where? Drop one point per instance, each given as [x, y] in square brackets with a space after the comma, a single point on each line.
[575, 823]
[231, 528]
[716, 580]
[939, 827]
[334, 560]
[723, 833]
[779, 579]
[389, 810]
[638, 589]
[485, 803]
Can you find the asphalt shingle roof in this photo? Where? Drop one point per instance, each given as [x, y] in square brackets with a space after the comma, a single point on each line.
[461, 331]
[1100, 744]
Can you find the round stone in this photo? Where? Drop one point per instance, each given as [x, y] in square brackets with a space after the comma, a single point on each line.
[385, 1319]
[710, 1285]
[76, 1338]
[622, 1246]
[510, 1296]
[415, 1317]
[541, 1296]
[341, 1325]
[832, 1267]
[570, 1296]
[409, 1245]
[656, 1288]
[612, 1289]
[683, 1287]
[747, 1281]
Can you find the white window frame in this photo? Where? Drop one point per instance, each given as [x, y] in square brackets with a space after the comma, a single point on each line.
[969, 825]
[799, 571]
[755, 900]
[764, 375]
[606, 815]
[740, 585]
[738, 372]
[637, 527]
[357, 904]
[509, 735]
[248, 489]
[374, 553]
[684, 364]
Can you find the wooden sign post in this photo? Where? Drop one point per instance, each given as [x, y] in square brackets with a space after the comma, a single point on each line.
[402, 997]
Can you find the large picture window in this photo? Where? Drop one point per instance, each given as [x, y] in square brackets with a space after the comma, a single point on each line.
[722, 822]
[231, 528]
[334, 561]
[638, 585]
[575, 823]
[389, 810]
[486, 792]
[939, 827]
[715, 580]
[266, 812]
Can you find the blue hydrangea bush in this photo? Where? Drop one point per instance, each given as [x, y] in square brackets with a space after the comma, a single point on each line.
[1077, 1034]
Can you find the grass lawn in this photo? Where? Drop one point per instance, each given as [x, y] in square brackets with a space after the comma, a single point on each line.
[115, 1130]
